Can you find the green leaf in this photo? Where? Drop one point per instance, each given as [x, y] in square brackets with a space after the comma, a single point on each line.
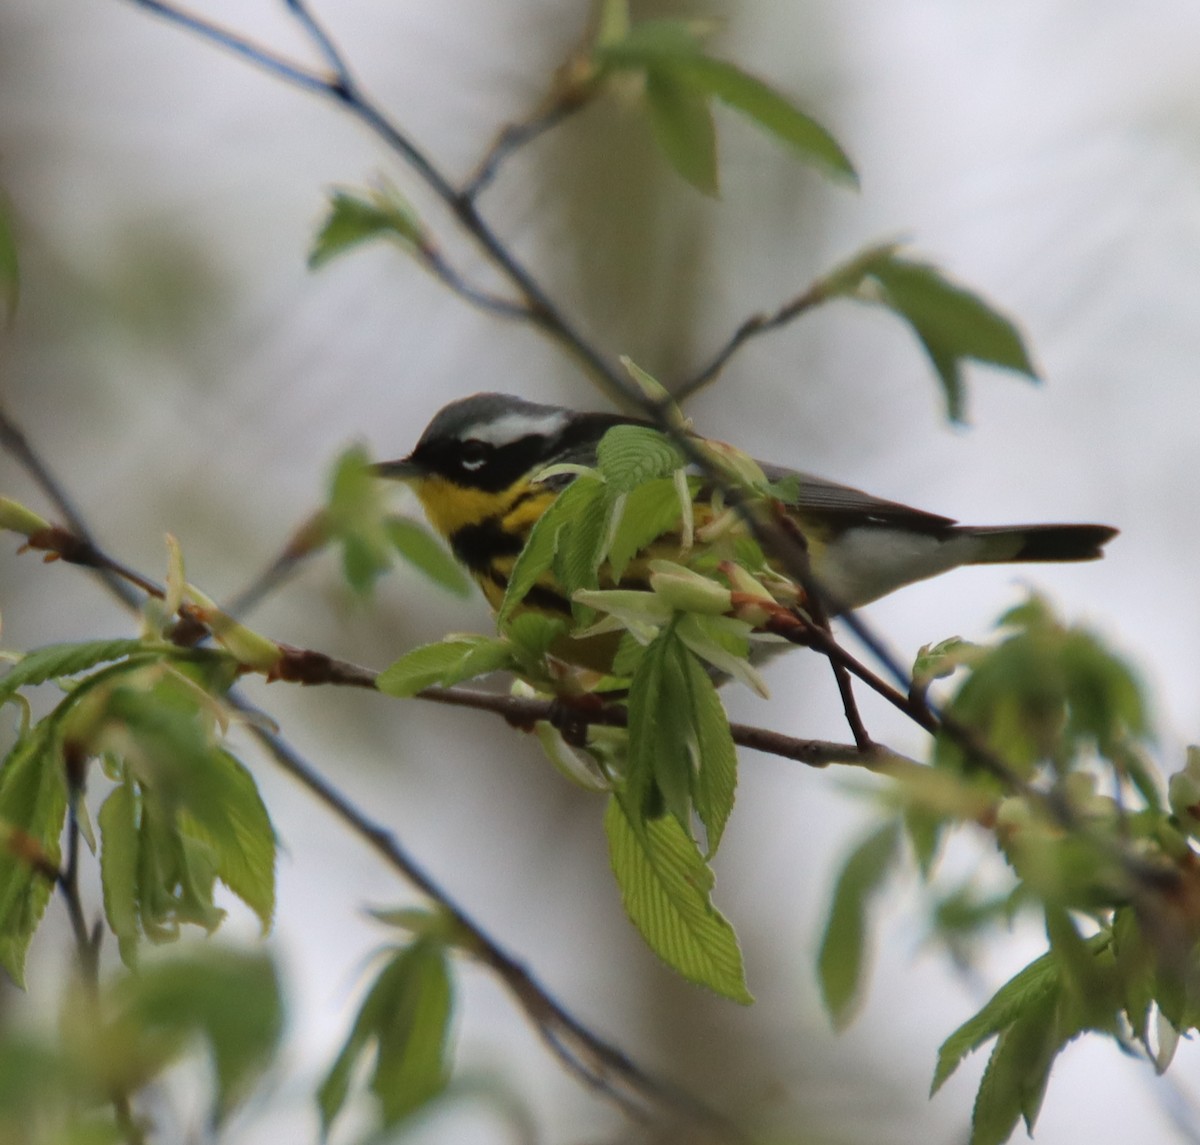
[937, 661]
[1049, 693]
[843, 946]
[683, 126]
[231, 999]
[660, 732]
[355, 517]
[35, 1082]
[406, 1017]
[444, 663]
[722, 641]
[354, 219]
[176, 876]
[716, 764]
[673, 48]
[10, 276]
[531, 634]
[33, 806]
[232, 819]
[665, 886]
[652, 42]
[951, 323]
[119, 867]
[644, 514]
[1014, 1081]
[580, 546]
[1027, 990]
[57, 660]
[411, 1066]
[770, 110]
[572, 504]
[628, 456]
[417, 545]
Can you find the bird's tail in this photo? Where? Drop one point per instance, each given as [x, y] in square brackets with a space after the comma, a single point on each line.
[1004, 543]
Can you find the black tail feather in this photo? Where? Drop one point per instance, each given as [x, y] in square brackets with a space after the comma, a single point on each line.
[1053, 542]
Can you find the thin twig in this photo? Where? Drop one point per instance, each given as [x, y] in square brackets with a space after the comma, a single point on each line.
[512, 138]
[752, 327]
[344, 90]
[14, 442]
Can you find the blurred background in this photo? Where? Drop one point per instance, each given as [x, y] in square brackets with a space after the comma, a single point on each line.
[183, 371]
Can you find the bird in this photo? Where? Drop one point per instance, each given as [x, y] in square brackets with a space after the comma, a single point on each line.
[476, 470]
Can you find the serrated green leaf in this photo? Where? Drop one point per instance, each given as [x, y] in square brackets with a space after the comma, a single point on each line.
[540, 549]
[118, 868]
[1136, 965]
[10, 275]
[57, 660]
[232, 819]
[660, 730]
[716, 767]
[532, 633]
[232, 999]
[646, 513]
[33, 806]
[951, 323]
[665, 886]
[628, 456]
[176, 877]
[843, 946]
[354, 219]
[770, 110]
[417, 545]
[1014, 1081]
[446, 662]
[1027, 990]
[580, 547]
[683, 126]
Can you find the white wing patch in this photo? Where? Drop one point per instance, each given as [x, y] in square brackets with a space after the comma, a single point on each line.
[510, 427]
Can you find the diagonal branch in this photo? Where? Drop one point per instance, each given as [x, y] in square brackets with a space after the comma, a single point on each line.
[752, 327]
[600, 1064]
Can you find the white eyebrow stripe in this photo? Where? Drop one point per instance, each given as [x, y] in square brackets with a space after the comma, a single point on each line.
[514, 426]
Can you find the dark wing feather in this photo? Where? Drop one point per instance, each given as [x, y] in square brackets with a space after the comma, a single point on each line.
[842, 504]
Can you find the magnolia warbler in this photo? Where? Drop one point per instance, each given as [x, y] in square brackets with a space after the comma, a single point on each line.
[479, 471]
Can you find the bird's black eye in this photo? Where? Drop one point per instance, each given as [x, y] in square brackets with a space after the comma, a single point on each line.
[473, 454]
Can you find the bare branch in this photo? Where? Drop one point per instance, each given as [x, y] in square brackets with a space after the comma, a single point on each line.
[15, 443]
[751, 328]
[513, 137]
[600, 1064]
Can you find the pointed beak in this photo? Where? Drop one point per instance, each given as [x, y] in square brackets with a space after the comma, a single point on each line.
[403, 470]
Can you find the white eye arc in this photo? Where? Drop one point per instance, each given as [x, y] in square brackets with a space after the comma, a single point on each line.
[474, 455]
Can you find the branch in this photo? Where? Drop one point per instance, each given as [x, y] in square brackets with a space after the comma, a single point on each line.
[517, 135]
[17, 445]
[752, 327]
[600, 1064]
[342, 88]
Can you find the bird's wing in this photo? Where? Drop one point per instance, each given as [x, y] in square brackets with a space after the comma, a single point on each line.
[848, 506]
